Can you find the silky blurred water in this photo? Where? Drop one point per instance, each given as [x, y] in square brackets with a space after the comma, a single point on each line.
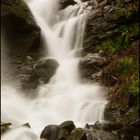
[64, 97]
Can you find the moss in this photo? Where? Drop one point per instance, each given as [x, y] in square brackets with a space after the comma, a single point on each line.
[112, 46]
[127, 13]
[134, 87]
[77, 134]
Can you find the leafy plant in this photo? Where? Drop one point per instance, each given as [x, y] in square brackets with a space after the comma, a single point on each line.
[126, 12]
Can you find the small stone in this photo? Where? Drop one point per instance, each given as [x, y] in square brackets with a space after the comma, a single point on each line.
[27, 125]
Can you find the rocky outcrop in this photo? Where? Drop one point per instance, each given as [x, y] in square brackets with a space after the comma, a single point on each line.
[19, 28]
[91, 66]
[101, 26]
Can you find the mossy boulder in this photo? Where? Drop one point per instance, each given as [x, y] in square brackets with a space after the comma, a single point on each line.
[19, 28]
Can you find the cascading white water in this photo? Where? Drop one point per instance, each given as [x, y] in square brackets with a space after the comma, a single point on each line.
[64, 97]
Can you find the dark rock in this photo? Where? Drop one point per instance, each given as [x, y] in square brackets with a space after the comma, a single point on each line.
[68, 125]
[50, 132]
[27, 125]
[131, 129]
[19, 28]
[77, 134]
[63, 134]
[107, 126]
[99, 28]
[5, 127]
[109, 111]
[44, 69]
[103, 135]
[91, 64]
[66, 3]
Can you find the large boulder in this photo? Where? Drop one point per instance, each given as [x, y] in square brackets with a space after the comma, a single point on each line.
[50, 132]
[68, 125]
[59, 132]
[42, 72]
[19, 28]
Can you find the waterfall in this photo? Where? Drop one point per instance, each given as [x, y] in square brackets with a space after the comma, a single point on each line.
[64, 97]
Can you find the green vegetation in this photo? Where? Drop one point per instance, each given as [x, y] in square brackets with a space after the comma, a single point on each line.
[125, 64]
[113, 45]
[134, 87]
[126, 12]
[120, 3]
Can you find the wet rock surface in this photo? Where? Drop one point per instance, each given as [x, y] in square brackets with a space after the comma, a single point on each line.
[91, 66]
[66, 3]
[19, 28]
[41, 73]
[5, 127]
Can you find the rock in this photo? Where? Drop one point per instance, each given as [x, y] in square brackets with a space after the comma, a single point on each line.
[26, 125]
[44, 69]
[66, 3]
[109, 111]
[107, 126]
[103, 135]
[5, 127]
[101, 27]
[91, 64]
[68, 125]
[19, 28]
[63, 134]
[77, 134]
[65, 129]
[131, 129]
[50, 132]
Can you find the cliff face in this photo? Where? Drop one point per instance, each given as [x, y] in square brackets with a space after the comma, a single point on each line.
[113, 34]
